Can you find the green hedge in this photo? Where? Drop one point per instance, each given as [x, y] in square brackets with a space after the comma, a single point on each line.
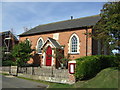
[89, 66]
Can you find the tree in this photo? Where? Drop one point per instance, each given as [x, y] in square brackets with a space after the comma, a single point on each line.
[7, 59]
[107, 30]
[22, 53]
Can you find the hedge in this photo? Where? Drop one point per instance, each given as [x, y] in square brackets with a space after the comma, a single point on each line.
[89, 66]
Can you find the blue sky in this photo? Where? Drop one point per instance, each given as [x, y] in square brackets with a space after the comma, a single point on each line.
[18, 15]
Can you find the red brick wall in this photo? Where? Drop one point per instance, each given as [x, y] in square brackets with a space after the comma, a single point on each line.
[64, 40]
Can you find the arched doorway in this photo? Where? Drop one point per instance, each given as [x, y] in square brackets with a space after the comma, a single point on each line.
[48, 56]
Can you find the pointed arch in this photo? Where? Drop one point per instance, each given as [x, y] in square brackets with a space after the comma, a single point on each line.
[74, 44]
[40, 42]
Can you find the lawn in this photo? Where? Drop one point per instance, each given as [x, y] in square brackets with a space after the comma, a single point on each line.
[107, 78]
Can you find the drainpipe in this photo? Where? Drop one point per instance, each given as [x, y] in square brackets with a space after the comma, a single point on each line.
[86, 41]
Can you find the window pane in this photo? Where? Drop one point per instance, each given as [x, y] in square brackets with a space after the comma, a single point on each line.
[74, 44]
[40, 43]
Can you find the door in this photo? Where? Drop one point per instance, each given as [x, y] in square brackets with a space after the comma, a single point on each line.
[48, 56]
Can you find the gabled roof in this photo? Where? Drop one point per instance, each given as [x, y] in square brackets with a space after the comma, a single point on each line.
[8, 33]
[63, 25]
[53, 41]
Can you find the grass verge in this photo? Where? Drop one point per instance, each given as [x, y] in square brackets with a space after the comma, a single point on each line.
[51, 84]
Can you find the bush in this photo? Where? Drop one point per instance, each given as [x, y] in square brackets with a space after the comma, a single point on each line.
[8, 63]
[89, 66]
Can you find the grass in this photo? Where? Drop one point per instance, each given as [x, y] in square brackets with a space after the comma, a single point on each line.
[107, 78]
[4, 73]
[51, 84]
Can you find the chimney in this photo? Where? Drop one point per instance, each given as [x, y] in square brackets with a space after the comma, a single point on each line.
[25, 29]
[71, 17]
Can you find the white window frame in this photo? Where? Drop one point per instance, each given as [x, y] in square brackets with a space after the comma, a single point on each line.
[70, 45]
[38, 42]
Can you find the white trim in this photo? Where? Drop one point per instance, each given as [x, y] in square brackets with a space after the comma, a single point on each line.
[29, 40]
[46, 42]
[40, 38]
[51, 42]
[8, 38]
[39, 53]
[56, 36]
[74, 53]
[73, 61]
[78, 44]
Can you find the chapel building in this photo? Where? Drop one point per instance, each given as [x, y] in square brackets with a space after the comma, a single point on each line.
[69, 36]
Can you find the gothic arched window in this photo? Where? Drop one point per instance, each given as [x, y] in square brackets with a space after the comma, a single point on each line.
[74, 44]
[39, 45]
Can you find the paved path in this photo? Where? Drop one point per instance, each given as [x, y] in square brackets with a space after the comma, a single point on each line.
[14, 82]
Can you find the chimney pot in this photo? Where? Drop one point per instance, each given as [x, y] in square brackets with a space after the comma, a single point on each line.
[71, 17]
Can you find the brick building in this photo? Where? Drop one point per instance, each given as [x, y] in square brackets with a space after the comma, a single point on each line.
[8, 40]
[69, 33]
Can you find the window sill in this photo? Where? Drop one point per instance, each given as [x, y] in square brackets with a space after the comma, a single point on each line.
[39, 53]
[74, 53]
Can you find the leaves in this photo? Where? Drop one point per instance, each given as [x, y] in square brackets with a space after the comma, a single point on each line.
[22, 52]
[108, 28]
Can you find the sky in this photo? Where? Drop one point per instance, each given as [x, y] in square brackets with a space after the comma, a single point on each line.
[20, 15]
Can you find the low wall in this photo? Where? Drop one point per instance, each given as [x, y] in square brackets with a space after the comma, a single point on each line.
[45, 74]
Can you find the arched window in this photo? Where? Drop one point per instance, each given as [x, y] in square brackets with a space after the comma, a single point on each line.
[74, 44]
[39, 45]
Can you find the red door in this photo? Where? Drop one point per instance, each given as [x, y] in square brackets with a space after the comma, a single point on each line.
[48, 56]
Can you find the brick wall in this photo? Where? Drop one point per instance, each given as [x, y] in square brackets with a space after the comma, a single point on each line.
[63, 39]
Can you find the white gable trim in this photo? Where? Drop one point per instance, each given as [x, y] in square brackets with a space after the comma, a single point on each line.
[46, 42]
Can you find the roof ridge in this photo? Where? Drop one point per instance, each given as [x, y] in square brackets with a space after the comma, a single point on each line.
[65, 20]
[62, 25]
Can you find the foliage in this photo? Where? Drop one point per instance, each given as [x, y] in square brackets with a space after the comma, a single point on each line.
[106, 78]
[107, 30]
[89, 66]
[63, 60]
[22, 52]
[8, 63]
[7, 59]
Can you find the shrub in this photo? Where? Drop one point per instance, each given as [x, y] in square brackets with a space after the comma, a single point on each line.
[8, 63]
[89, 66]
